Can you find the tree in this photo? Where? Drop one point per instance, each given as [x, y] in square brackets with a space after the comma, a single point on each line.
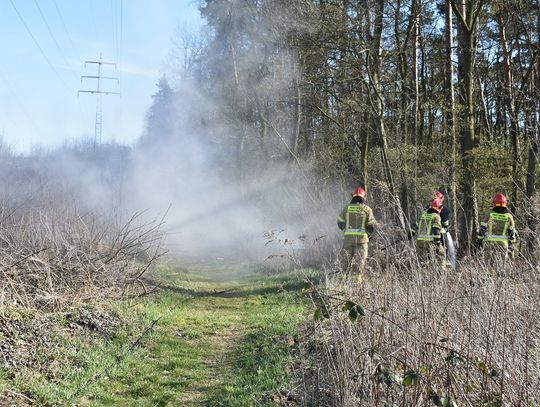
[450, 120]
[160, 119]
[467, 12]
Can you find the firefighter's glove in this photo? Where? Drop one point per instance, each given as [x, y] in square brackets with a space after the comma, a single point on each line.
[481, 232]
[370, 229]
[341, 224]
[513, 236]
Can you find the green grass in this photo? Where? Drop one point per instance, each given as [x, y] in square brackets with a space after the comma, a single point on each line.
[224, 336]
[262, 360]
[3, 380]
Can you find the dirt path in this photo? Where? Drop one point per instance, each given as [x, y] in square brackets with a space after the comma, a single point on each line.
[216, 364]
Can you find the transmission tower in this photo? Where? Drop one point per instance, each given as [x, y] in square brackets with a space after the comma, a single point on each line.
[98, 92]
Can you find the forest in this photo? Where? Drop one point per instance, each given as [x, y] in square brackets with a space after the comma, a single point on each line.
[400, 97]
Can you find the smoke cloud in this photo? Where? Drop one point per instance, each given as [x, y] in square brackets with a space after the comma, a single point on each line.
[215, 160]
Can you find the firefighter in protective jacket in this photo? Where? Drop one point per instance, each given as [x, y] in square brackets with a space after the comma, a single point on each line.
[358, 223]
[429, 239]
[498, 234]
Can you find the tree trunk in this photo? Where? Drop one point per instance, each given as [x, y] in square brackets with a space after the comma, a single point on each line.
[450, 113]
[416, 34]
[408, 90]
[235, 103]
[364, 150]
[511, 109]
[532, 164]
[297, 114]
[374, 71]
[467, 24]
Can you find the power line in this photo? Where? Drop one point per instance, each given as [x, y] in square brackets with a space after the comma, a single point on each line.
[59, 49]
[51, 34]
[114, 20]
[93, 22]
[117, 11]
[121, 33]
[82, 108]
[66, 30]
[120, 47]
[18, 101]
[116, 8]
[38, 46]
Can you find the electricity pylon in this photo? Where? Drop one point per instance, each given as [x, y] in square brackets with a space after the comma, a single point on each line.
[98, 92]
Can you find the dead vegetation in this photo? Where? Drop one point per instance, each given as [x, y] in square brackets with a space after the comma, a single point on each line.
[57, 266]
[418, 335]
[26, 337]
[50, 258]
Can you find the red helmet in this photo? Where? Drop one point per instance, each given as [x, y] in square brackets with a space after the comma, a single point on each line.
[436, 204]
[500, 200]
[438, 195]
[361, 192]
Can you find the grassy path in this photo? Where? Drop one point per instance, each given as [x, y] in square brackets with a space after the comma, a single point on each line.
[225, 337]
[215, 334]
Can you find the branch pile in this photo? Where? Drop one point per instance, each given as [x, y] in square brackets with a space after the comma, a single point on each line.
[51, 258]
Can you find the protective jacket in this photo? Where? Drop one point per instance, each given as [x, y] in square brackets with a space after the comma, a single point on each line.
[500, 228]
[428, 227]
[357, 222]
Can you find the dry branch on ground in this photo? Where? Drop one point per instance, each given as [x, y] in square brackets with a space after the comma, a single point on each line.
[50, 258]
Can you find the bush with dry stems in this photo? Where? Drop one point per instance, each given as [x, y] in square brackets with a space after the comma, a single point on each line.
[412, 334]
[50, 257]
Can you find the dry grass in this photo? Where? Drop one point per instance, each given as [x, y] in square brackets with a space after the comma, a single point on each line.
[53, 257]
[413, 335]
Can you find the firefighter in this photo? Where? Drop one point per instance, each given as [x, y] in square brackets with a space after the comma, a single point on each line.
[429, 228]
[498, 235]
[358, 223]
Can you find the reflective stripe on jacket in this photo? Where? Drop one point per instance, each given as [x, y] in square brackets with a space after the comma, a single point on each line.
[429, 228]
[497, 227]
[356, 219]
[357, 222]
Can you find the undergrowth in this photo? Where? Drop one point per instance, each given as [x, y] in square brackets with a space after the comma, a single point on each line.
[417, 334]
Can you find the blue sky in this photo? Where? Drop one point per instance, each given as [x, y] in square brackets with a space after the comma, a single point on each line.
[43, 54]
